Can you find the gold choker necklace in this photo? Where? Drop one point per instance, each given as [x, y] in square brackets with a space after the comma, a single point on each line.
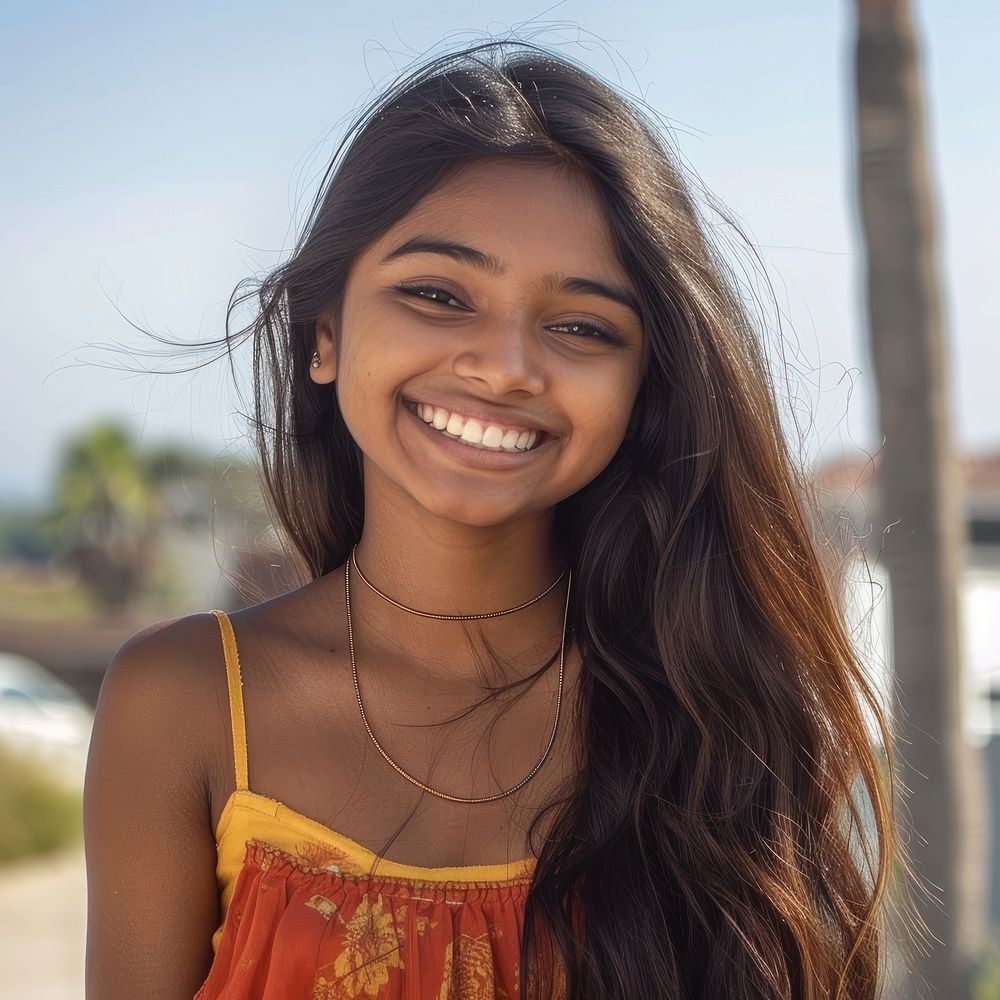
[392, 763]
[451, 618]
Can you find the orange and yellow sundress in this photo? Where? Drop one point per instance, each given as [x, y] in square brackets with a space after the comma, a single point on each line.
[304, 917]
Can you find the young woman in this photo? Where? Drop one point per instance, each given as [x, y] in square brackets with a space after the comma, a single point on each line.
[567, 707]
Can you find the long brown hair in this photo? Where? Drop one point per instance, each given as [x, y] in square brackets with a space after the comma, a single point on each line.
[731, 832]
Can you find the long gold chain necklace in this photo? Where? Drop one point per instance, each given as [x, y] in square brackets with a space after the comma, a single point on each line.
[364, 717]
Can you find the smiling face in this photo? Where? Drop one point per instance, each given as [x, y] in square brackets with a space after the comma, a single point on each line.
[488, 357]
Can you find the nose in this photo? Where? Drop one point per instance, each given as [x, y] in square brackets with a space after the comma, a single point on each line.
[503, 357]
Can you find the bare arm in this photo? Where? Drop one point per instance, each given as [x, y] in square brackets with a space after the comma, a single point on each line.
[152, 895]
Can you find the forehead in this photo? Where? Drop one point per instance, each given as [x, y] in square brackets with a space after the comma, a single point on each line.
[521, 212]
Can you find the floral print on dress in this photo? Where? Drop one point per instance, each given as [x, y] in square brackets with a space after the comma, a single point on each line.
[349, 934]
[370, 949]
[472, 976]
[313, 854]
[326, 908]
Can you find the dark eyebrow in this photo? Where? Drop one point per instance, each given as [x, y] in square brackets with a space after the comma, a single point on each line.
[489, 264]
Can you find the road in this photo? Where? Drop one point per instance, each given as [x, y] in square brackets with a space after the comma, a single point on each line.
[43, 920]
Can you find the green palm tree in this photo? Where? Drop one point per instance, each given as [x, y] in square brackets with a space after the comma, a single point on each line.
[104, 507]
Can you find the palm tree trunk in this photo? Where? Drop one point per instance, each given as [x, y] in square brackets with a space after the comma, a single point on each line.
[920, 496]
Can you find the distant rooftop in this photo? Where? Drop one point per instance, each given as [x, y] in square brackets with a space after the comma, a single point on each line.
[980, 478]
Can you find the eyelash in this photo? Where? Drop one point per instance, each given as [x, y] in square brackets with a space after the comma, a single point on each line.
[602, 332]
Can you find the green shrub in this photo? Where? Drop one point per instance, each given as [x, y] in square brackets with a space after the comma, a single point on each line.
[37, 813]
[986, 983]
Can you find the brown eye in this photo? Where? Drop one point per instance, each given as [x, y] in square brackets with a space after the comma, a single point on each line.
[591, 330]
[431, 293]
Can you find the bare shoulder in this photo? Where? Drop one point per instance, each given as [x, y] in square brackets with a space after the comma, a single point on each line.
[167, 646]
[165, 680]
[152, 896]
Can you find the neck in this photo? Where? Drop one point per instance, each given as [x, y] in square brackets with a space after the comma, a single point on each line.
[442, 567]
[456, 570]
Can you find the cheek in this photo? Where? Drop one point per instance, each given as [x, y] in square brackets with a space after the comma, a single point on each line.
[380, 347]
[361, 388]
[371, 360]
[601, 408]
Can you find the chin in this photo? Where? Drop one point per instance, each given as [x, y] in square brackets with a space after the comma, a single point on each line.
[472, 511]
[476, 516]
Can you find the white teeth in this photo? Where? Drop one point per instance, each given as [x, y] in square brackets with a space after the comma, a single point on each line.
[474, 432]
[492, 437]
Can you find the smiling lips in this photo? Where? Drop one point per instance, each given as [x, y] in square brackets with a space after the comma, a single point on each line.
[476, 433]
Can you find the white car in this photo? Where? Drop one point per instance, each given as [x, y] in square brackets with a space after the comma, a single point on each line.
[43, 717]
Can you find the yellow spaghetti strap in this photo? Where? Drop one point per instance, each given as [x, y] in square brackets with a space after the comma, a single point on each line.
[236, 713]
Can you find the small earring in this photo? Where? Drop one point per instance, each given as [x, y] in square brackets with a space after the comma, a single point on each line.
[316, 361]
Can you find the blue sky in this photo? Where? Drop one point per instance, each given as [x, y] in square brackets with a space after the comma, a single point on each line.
[156, 155]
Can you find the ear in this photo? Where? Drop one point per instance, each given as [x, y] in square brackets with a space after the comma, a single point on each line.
[326, 348]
